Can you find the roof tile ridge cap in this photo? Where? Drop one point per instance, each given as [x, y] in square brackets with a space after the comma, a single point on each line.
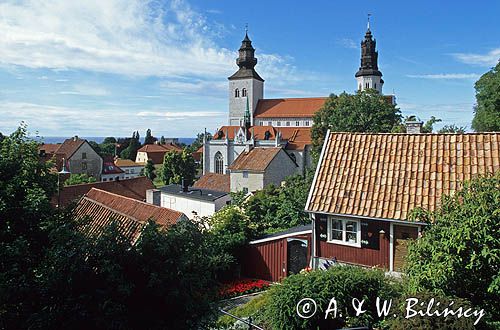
[112, 209]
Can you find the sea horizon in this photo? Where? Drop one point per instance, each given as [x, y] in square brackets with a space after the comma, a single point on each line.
[100, 139]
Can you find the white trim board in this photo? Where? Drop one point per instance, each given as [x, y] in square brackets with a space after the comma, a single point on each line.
[309, 196]
[268, 239]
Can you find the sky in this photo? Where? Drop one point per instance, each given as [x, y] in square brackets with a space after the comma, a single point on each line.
[110, 67]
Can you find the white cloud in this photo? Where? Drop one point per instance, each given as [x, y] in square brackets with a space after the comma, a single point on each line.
[88, 90]
[52, 120]
[348, 43]
[446, 76]
[489, 59]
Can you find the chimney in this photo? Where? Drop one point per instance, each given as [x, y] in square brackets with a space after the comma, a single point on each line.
[153, 196]
[413, 126]
[185, 187]
[75, 138]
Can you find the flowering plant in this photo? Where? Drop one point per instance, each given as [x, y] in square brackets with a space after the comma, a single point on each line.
[242, 286]
[306, 270]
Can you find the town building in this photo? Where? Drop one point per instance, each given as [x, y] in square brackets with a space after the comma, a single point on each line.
[102, 208]
[130, 168]
[133, 188]
[254, 121]
[367, 185]
[155, 152]
[78, 154]
[111, 172]
[193, 202]
[259, 167]
[214, 181]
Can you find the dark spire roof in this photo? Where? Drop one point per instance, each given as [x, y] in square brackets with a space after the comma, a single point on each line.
[246, 61]
[369, 56]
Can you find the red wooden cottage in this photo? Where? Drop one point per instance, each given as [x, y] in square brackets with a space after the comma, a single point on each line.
[366, 186]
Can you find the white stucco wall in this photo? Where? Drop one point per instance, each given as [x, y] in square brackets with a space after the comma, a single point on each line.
[372, 81]
[141, 157]
[188, 205]
[238, 105]
[303, 122]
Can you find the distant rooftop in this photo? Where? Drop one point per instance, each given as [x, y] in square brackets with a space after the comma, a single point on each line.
[193, 193]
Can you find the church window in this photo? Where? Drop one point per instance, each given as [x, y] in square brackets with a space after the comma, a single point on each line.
[287, 123]
[375, 86]
[359, 87]
[367, 85]
[244, 92]
[236, 92]
[297, 123]
[307, 122]
[261, 123]
[278, 123]
[269, 123]
[219, 163]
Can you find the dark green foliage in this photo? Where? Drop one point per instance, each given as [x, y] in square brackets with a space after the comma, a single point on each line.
[199, 141]
[459, 254]
[178, 166]
[95, 146]
[162, 140]
[342, 283]
[487, 110]
[430, 322]
[133, 145]
[452, 129]
[367, 111]
[277, 208]
[108, 147]
[149, 170]
[109, 140]
[79, 179]
[149, 139]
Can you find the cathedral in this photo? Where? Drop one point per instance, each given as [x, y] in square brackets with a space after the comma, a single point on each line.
[256, 122]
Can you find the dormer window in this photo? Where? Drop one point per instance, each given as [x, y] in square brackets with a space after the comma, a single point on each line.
[236, 92]
[244, 92]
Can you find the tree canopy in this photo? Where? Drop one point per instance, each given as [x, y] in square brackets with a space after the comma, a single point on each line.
[149, 170]
[366, 111]
[149, 138]
[178, 166]
[130, 152]
[458, 254]
[78, 179]
[487, 111]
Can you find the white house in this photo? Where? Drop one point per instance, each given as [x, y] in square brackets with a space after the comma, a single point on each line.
[193, 202]
[130, 168]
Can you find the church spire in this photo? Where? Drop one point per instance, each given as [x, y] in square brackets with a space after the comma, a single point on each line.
[368, 75]
[246, 60]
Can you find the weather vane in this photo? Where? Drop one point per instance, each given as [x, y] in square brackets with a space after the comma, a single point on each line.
[368, 25]
[246, 27]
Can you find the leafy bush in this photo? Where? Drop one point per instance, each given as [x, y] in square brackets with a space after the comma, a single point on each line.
[253, 309]
[79, 179]
[429, 322]
[342, 283]
[458, 254]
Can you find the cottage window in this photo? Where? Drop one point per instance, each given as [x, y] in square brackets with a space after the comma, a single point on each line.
[245, 174]
[245, 190]
[84, 166]
[84, 155]
[219, 163]
[344, 231]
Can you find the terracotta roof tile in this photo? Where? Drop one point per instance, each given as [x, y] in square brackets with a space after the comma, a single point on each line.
[214, 181]
[293, 107]
[298, 137]
[126, 163]
[388, 175]
[257, 159]
[134, 188]
[102, 207]
[156, 152]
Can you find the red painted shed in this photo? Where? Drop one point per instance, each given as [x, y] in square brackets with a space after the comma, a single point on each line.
[275, 256]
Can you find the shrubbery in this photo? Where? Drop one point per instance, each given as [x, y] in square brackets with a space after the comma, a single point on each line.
[342, 283]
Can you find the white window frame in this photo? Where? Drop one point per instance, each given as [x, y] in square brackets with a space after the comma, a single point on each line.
[344, 233]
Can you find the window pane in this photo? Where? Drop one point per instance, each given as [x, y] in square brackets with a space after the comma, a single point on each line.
[351, 226]
[337, 234]
[337, 224]
[351, 237]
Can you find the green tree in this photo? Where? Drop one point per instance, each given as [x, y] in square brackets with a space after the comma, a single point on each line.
[487, 111]
[131, 151]
[198, 142]
[109, 140]
[149, 170]
[429, 125]
[95, 146]
[366, 111]
[79, 179]
[163, 140]
[458, 254]
[178, 166]
[277, 208]
[453, 129]
[149, 139]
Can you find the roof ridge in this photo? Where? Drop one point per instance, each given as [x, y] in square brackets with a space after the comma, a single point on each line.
[112, 209]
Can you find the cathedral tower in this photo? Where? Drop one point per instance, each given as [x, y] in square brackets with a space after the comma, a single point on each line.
[368, 75]
[246, 87]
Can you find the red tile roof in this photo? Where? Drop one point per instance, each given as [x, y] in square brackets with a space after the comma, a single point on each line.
[287, 108]
[257, 159]
[69, 147]
[156, 152]
[298, 137]
[134, 188]
[214, 181]
[388, 175]
[258, 132]
[126, 163]
[102, 208]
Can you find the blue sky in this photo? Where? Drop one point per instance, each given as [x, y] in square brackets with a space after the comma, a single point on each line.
[100, 68]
